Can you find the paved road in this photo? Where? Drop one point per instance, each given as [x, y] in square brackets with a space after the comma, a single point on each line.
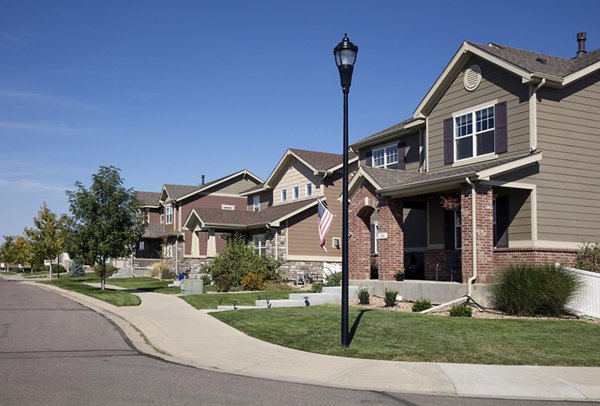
[56, 352]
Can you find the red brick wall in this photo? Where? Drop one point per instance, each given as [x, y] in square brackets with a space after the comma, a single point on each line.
[540, 256]
[390, 249]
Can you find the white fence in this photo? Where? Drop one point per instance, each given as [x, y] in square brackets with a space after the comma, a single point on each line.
[588, 300]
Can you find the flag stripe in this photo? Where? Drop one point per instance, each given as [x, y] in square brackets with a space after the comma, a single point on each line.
[325, 220]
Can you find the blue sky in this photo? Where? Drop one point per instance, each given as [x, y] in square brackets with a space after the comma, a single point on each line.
[170, 91]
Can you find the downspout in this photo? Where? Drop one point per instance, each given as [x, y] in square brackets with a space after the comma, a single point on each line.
[473, 236]
[533, 115]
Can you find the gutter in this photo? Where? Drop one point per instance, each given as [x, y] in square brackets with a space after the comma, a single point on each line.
[533, 115]
[473, 236]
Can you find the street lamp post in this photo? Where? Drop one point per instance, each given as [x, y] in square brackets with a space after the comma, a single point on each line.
[345, 57]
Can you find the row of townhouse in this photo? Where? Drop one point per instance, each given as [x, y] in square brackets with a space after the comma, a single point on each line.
[499, 163]
[189, 225]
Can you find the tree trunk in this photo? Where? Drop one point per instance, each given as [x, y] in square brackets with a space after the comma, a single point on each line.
[103, 274]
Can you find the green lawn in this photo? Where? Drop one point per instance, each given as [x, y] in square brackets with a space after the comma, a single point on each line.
[114, 297]
[212, 300]
[145, 284]
[388, 335]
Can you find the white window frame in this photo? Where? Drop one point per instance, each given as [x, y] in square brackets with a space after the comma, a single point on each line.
[228, 207]
[308, 191]
[169, 214]
[283, 195]
[296, 193]
[336, 242]
[387, 156]
[256, 203]
[474, 133]
[260, 248]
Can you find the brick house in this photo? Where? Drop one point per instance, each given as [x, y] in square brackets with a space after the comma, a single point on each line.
[498, 164]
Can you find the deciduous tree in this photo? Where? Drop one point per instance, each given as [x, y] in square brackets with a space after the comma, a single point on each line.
[47, 236]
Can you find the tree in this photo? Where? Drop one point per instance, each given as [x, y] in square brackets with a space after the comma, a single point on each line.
[23, 252]
[106, 220]
[47, 237]
[7, 250]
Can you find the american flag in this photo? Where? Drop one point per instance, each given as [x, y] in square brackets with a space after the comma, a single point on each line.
[325, 219]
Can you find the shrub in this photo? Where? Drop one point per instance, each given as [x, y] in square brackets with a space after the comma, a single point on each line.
[461, 310]
[236, 261]
[160, 269]
[588, 257]
[277, 286]
[316, 287]
[390, 297]
[529, 290]
[363, 296]
[110, 269]
[335, 279]
[46, 268]
[252, 282]
[206, 280]
[77, 270]
[421, 304]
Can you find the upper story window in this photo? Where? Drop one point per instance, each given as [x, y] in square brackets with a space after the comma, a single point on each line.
[256, 203]
[474, 133]
[169, 214]
[309, 189]
[296, 192]
[386, 156]
[284, 195]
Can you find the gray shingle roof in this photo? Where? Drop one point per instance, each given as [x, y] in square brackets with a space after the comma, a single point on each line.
[321, 161]
[530, 61]
[149, 199]
[158, 231]
[176, 192]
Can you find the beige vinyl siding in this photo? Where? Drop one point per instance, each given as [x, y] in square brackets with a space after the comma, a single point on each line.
[234, 186]
[568, 182]
[496, 84]
[303, 233]
[297, 174]
[519, 208]
[436, 223]
[415, 228]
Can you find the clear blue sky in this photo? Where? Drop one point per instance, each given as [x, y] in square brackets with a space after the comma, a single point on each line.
[170, 90]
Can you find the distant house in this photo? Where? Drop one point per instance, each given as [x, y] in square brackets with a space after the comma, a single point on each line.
[280, 217]
[498, 164]
[166, 237]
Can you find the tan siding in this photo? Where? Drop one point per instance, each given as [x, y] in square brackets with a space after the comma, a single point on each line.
[297, 174]
[233, 186]
[415, 226]
[436, 224]
[568, 183]
[519, 207]
[210, 202]
[496, 84]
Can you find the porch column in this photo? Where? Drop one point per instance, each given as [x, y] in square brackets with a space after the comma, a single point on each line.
[391, 248]
[361, 206]
[211, 244]
[484, 232]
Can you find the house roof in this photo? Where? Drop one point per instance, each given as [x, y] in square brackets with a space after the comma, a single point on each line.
[148, 199]
[319, 162]
[397, 183]
[404, 127]
[179, 192]
[237, 219]
[158, 231]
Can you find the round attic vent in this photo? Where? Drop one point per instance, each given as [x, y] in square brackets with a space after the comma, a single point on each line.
[472, 77]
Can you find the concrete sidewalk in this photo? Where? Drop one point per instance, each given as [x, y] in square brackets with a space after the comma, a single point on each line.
[168, 327]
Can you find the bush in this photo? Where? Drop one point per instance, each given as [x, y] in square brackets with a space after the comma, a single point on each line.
[363, 296]
[335, 279]
[45, 268]
[236, 261]
[77, 270]
[252, 282]
[461, 310]
[421, 304]
[530, 290]
[206, 280]
[110, 270]
[161, 269]
[316, 287]
[588, 257]
[390, 297]
[277, 286]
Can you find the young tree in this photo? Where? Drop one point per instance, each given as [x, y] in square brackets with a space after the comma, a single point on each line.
[106, 219]
[7, 251]
[23, 252]
[47, 236]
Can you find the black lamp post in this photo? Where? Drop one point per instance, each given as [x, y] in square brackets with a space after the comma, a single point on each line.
[345, 57]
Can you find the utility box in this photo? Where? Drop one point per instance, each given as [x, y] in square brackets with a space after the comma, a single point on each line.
[192, 286]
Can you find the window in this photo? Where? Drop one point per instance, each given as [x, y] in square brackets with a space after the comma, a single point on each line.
[336, 242]
[284, 195]
[169, 214]
[474, 133]
[256, 203]
[259, 242]
[228, 207]
[457, 230]
[309, 188]
[384, 157]
[296, 193]
[374, 231]
[162, 218]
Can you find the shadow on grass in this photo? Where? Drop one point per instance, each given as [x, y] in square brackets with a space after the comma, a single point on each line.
[356, 323]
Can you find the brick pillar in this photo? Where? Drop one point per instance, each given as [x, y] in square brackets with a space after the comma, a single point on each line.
[484, 233]
[361, 206]
[390, 249]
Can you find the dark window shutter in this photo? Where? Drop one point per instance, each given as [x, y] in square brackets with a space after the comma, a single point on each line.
[501, 134]
[448, 141]
[449, 229]
[401, 156]
[369, 158]
[502, 222]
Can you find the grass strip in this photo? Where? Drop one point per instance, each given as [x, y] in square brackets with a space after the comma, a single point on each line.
[114, 297]
[398, 336]
[213, 300]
